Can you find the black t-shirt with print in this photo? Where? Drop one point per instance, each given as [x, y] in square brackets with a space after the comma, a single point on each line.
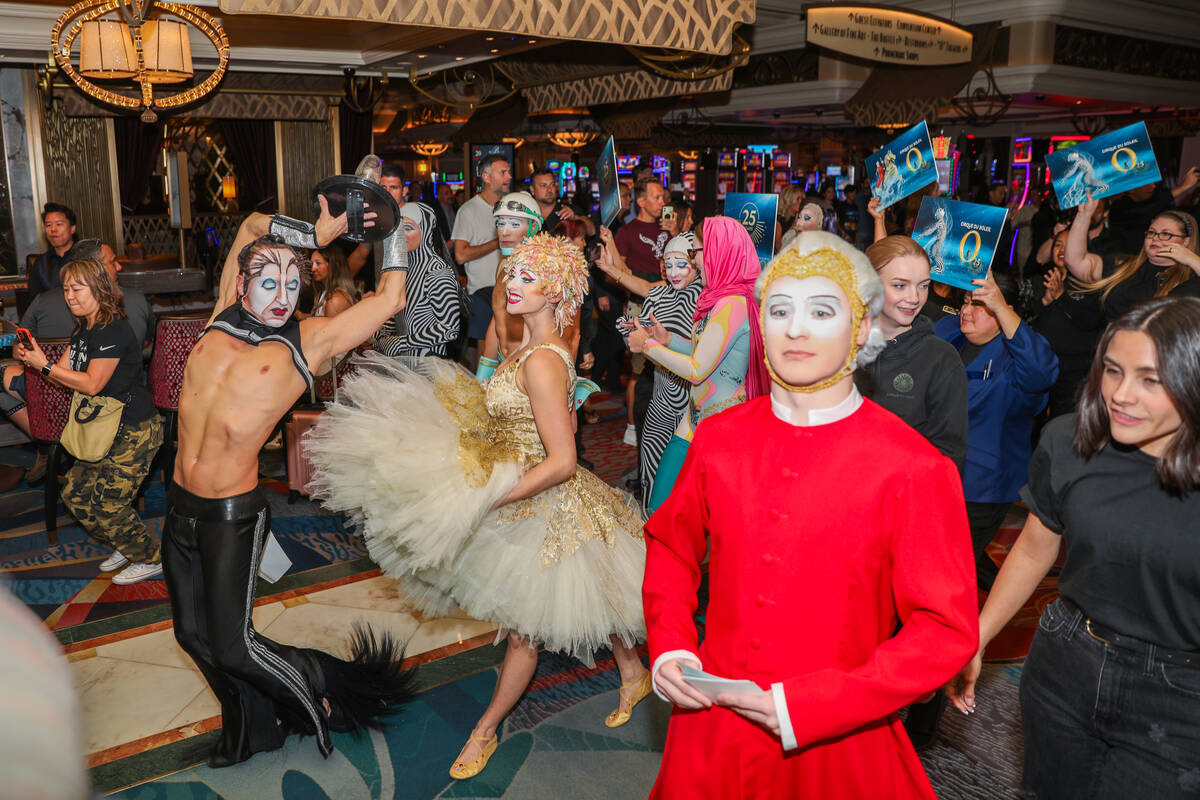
[116, 340]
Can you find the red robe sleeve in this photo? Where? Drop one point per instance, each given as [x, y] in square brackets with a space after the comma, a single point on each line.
[675, 547]
[933, 586]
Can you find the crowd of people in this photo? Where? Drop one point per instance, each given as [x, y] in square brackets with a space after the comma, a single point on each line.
[836, 430]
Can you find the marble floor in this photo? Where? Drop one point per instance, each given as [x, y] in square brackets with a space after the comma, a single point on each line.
[139, 690]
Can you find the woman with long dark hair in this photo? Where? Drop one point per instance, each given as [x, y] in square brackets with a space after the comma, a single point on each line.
[333, 284]
[1110, 693]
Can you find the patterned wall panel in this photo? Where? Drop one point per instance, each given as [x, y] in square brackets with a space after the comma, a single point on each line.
[704, 26]
[223, 105]
[618, 87]
[76, 160]
[307, 149]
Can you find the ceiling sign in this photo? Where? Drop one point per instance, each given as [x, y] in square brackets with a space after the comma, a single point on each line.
[890, 35]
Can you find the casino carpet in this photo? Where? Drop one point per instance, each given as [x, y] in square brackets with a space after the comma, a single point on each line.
[543, 741]
[62, 585]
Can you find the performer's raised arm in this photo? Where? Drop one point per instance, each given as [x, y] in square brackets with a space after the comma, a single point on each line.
[293, 231]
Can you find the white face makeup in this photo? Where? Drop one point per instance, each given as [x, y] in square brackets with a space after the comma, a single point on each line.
[511, 232]
[412, 234]
[271, 296]
[678, 270]
[808, 221]
[807, 328]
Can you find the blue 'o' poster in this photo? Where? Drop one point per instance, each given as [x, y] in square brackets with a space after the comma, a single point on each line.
[1110, 164]
[960, 238]
[756, 213]
[902, 166]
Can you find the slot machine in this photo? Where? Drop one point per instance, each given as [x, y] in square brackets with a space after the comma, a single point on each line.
[945, 158]
[781, 171]
[688, 169]
[727, 173]
[662, 169]
[566, 185]
[1020, 177]
[755, 174]
[625, 166]
[587, 192]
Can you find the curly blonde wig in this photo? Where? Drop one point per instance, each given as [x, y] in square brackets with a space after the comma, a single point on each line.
[561, 265]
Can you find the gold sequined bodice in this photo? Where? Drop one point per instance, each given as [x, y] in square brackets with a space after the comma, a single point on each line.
[512, 424]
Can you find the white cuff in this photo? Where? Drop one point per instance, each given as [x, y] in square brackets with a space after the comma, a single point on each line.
[664, 658]
[786, 734]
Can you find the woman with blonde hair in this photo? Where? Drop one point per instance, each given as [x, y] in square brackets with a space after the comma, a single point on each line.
[105, 360]
[1168, 264]
[918, 377]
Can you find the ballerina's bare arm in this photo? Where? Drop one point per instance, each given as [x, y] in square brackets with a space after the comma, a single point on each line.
[543, 377]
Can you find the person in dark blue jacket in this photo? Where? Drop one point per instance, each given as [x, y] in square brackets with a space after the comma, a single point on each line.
[1010, 369]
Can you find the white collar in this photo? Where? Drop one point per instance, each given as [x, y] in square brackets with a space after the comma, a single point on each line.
[820, 416]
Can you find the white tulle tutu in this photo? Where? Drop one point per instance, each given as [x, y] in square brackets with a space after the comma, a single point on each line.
[414, 457]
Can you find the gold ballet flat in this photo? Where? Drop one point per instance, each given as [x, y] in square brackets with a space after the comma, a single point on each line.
[475, 767]
[635, 692]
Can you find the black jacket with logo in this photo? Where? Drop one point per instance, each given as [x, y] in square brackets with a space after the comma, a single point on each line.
[921, 379]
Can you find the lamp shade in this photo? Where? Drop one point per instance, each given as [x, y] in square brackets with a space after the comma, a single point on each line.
[106, 50]
[228, 187]
[166, 51]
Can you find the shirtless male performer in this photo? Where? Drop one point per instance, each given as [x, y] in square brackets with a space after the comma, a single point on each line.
[253, 361]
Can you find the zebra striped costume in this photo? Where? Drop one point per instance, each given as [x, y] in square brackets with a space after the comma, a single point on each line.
[669, 401]
[433, 312]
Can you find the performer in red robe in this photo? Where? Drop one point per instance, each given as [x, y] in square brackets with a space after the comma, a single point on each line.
[831, 522]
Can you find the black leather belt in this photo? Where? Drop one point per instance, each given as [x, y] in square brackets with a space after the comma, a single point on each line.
[1106, 635]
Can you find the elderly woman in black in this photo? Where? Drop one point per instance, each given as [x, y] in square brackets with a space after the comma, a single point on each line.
[1110, 694]
[105, 360]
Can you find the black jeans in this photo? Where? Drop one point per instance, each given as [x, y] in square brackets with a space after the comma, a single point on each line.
[210, 553]
[1105, 722]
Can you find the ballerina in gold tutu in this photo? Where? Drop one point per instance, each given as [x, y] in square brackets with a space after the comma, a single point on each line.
[471, 496]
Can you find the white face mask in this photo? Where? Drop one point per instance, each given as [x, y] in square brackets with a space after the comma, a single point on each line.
[511, 232]
[272, 295]
[678, 270]
[807, 328]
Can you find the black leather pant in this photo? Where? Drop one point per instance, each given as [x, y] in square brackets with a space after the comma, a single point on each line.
[211, 550]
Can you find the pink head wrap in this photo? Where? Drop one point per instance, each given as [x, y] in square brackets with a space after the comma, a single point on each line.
[730, 268]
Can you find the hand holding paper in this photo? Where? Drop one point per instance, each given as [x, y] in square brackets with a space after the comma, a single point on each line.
[712, 686]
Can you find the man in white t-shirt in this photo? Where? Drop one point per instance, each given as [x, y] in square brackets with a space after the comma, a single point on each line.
[475, 243]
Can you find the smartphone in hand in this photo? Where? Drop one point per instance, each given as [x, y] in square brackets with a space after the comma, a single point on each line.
[25, 338]
[668, 212]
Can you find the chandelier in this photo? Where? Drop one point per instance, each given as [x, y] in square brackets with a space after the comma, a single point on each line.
[430, 149]
[145, 49]
[572, 139]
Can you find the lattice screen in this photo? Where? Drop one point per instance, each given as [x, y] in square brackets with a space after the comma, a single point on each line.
[208, 158]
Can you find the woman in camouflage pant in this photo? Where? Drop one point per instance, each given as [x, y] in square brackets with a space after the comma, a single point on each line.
[105, 360]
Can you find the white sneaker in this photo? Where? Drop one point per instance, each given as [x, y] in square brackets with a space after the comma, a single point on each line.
[115, 561]
[137, 572]
[630, 435]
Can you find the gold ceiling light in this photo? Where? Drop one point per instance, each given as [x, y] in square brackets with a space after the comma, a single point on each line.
[687, 66]
[573, 139]
[689, 155]
[430, 149]
[136, 46]
[515, 141]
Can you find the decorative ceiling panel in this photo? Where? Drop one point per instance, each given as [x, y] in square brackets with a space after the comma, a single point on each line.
[704, 26]
[618, 88]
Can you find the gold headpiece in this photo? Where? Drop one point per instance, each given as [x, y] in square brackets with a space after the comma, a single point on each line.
[826, 263]
[561, 265]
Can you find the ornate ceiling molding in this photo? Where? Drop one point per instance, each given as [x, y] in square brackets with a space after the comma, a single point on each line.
[703, 26]
[620, 87]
